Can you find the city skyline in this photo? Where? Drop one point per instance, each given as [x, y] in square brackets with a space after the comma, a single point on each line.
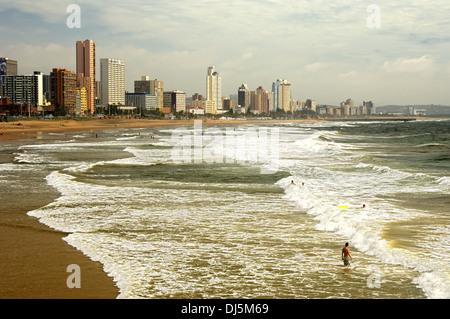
[327, 51]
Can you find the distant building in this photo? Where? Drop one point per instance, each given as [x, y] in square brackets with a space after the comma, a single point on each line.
[155, 87]
[63, 85]
[142, 101]
[8, 67]
[244, 96]
[85, 64]
[282, 94]
[197, 97]
[228, 104]
[112, 77]
[23, 89]
[259, 101]
[175, 101]
[412, 111]
[311, 105]
[214, 89]
[195, 110]
[81, 101]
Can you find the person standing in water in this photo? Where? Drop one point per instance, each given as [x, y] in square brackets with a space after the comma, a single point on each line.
[346, 256]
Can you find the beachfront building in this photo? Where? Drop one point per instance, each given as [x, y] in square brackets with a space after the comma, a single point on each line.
[214, 91]
[155, 87]
[311, 105]
[244, 96]
[63, 85]
[85, 65]
[142, 101]
[81, 101]
[282, 94]
[259, 101]
[228, 104]
[175, 101]
[112, 78]
[23, 89]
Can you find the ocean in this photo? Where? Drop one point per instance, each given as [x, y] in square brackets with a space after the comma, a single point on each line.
[211, 211]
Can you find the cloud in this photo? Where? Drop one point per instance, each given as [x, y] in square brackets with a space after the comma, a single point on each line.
[317, 66]
[404, 65]
[350, 74]
[248, 41]
[41, 57]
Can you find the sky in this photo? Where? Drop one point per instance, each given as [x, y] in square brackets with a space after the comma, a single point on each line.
[385, 51]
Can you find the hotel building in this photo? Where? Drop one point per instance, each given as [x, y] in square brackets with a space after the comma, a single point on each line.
[112, 78]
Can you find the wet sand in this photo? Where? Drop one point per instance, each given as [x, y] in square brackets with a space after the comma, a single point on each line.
[34, 258]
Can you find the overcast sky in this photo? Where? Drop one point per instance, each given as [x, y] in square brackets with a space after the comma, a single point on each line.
[329, 50]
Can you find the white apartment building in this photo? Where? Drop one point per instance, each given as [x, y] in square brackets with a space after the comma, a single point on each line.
[112, 78]
[214, 90]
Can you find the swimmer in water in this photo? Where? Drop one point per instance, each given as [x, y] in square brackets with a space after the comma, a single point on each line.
[346, 256]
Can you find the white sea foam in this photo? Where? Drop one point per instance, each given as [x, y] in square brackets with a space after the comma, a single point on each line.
[150, 239]
[444, 180]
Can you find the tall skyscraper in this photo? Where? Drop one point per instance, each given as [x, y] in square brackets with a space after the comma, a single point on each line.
[244, 96]
[214, 90]
[86, 71]
[63, 90]
[282, 94]
[112, 78]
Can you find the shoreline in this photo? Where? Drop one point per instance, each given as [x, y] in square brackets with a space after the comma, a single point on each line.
[36, 129]
[34, 257]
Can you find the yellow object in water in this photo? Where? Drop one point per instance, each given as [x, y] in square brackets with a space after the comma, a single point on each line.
[342, 206]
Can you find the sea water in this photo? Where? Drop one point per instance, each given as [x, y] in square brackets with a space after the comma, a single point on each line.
[167, 229]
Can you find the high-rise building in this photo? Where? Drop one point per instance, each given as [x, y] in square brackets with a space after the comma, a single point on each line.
[311, 105]
[270, 98]
[175, 100]
[8, 67]
[63, 85]
[282, 94]
[155, 87]
[81, 101]
[228, 104]
[112, 78]
[370, 108]
[85, 59]
[244, 96]
[23, 89]
[214, 90]
[259, 101]
[197, 97]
